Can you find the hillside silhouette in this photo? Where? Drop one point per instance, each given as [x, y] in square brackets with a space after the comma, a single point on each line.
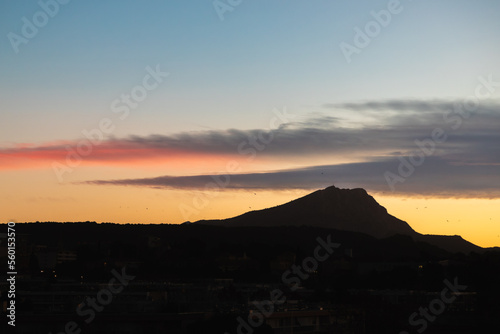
[341, 209]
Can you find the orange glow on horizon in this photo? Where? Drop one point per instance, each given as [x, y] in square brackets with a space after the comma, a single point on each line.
[35, 196]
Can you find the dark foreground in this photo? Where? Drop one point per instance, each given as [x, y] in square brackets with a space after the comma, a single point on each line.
[106, 278]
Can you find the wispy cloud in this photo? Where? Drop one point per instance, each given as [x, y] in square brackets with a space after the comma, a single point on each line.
[467, 164]
[438, 178]
[410, 105]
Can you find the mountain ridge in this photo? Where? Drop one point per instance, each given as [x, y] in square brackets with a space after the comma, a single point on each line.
[341, 209]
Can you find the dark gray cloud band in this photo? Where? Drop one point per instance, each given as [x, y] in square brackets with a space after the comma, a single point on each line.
[435, 177]
[401, 150]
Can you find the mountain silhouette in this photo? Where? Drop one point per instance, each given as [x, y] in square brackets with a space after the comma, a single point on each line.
[341, 209]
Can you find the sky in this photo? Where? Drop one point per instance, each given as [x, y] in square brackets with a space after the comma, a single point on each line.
[173, 111]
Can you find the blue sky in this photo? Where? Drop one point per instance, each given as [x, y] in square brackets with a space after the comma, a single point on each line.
[230, 73]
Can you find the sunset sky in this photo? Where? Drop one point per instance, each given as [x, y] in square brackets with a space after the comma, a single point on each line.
[168, 111]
